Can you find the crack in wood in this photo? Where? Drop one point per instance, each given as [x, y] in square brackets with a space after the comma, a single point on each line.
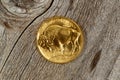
[71, 5]
[22, 34]
[95, 60]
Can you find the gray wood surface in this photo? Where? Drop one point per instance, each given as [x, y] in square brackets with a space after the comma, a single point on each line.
[20, 59]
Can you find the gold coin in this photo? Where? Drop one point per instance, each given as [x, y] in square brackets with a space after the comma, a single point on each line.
[59, 39]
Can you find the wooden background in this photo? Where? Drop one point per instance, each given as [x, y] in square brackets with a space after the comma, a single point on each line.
[20, 59]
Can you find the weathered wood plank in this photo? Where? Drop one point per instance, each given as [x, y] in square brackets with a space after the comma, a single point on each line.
[20, 59]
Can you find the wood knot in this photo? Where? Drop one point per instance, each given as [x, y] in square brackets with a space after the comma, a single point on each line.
[24, 8]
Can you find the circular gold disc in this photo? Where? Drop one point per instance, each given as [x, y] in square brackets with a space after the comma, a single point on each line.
[59, 39]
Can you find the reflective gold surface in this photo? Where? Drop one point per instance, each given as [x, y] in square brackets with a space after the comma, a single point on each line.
[59, 39]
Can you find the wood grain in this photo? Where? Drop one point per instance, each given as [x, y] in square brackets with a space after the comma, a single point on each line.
[20, 59]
